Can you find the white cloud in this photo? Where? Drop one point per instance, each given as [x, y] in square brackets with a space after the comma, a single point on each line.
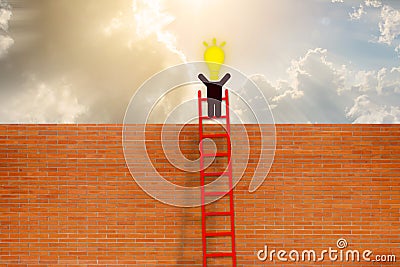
[5, 40]
[357, 13]
[151, 19]
[366, 111]
[147, 19]
[369, 3]
[5, 43]
[373, 3]
[44, 103]
[114, 25]
[389, 81]
[390, 25]
[309, 93]
[5, 15]
[376, 83]
[318, 90]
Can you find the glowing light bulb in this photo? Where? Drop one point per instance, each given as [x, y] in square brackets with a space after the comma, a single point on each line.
[214, 56]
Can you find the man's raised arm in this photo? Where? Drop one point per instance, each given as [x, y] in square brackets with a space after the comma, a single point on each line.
[225, 79]
[203, 78]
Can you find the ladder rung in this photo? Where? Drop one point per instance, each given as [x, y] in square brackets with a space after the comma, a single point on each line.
[215, 193]
[227, 213]
[221, 254]
[213, 118]
[219, 234]
[215, 174]
[215, 135]
[205, 99]
[221, 154]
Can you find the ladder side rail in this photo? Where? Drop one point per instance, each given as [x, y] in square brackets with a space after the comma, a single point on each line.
[232, 211]
[203, 211]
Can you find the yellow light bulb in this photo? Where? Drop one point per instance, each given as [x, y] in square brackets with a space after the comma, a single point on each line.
[214, 56]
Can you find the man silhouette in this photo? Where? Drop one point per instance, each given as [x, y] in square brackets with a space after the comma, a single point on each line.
[214, 94]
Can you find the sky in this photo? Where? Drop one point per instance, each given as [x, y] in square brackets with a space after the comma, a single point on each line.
[316, 61]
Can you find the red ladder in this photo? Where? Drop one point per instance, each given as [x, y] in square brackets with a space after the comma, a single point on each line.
[204, 194]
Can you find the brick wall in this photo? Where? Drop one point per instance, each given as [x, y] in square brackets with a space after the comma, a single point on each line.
[67, 197]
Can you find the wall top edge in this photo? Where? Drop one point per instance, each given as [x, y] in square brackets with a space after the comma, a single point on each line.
[156, 124]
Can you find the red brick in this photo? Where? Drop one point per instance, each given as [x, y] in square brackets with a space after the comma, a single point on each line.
[67, 198]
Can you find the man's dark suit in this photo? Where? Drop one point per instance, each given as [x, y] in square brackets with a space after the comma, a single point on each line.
[214, 94]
